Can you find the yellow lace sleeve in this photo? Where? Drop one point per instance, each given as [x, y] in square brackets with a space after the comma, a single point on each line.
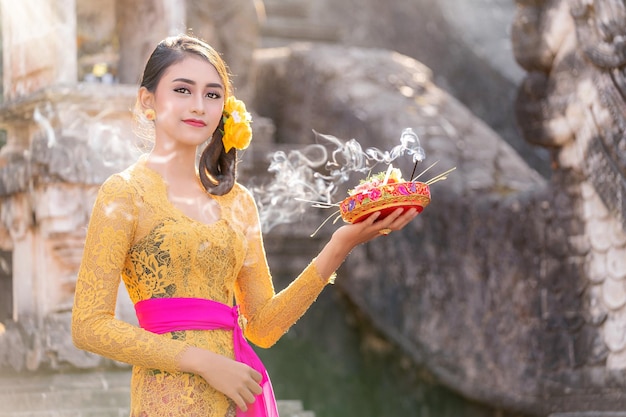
[94, 326]
[270, 315]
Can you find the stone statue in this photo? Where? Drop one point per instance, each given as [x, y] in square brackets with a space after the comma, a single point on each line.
[523, 304]
[511, 289]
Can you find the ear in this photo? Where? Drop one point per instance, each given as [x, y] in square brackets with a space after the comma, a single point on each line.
[146, 98]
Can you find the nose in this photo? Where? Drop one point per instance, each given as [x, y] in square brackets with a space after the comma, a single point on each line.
[197, 105]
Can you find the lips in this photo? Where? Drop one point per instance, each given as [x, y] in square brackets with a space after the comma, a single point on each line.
[194, 122]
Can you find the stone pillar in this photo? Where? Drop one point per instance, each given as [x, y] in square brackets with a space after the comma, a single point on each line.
[39, 45]
[141, 25]
[18, 216]
[233, 29]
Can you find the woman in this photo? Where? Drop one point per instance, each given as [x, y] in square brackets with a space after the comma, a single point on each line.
[187, 243]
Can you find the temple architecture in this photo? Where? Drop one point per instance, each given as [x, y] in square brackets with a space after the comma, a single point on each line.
[70, 70]
[66, 131]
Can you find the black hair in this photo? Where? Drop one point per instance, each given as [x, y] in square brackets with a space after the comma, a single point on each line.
[217, 168]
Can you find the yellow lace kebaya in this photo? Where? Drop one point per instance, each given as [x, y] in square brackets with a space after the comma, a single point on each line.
[137, 235]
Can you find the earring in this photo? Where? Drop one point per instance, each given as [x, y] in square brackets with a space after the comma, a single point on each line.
[150, 114]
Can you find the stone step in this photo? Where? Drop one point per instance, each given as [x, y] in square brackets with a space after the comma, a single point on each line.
[53, 382]
[95, 412]
[290, 21]
[87, 394]
[286, 8]
[590, 414]
[290, 29]
[67, 399]
[286, 408]
[293, 408]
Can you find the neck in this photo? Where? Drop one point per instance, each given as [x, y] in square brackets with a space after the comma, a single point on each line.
[174, 164]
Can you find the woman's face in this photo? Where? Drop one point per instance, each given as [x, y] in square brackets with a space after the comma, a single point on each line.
[188, 101]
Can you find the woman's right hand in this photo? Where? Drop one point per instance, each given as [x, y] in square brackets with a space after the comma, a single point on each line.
[236, 380]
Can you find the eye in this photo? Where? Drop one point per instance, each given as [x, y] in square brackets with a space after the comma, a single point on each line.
[182, 90]
[213, 95]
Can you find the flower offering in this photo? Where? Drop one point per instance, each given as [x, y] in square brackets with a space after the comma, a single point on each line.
[384, 192]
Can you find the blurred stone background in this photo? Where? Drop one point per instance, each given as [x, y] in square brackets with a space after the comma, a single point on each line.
[505, 298]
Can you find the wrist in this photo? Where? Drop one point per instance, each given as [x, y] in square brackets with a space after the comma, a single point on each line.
[194, 359]
[329, 260]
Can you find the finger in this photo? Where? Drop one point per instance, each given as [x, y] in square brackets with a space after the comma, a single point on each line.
[371, 218]
[256, 375]
[241, 403]
[248, 397]
[407, 216]
[388, 220]
[404, 219]
[254, 388]
[394, 215]
[395, 221]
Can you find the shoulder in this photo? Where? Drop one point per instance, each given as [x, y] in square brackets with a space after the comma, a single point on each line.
[242, 203]
[239, 191]
[122, 184]
[243, 199]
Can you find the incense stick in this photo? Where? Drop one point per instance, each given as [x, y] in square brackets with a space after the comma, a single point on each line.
[325, 221]
[439, 177]
[422, 173]
[414, 168]
[317, 204]
[387, 174]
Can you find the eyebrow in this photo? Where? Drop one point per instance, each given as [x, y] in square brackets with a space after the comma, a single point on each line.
[192, 82]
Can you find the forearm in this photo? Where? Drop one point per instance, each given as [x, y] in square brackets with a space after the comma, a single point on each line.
[123, 342]
[278, 313]
[282, 310]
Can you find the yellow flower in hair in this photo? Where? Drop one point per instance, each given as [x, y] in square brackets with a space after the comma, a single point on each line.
[237, 130]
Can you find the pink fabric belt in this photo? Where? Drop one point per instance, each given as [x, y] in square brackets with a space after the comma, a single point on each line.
[164, 315]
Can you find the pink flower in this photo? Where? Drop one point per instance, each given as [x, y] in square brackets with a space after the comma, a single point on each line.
[403, 190]
[375, 194]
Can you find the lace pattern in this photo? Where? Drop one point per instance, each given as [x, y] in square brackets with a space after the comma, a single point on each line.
[136, 235]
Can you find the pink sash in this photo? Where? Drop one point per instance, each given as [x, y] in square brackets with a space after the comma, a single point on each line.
[164, 315]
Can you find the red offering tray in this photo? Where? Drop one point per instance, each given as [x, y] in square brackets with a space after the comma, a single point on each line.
[385, 198]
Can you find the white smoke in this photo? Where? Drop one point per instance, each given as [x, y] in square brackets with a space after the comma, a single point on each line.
[314, 173]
